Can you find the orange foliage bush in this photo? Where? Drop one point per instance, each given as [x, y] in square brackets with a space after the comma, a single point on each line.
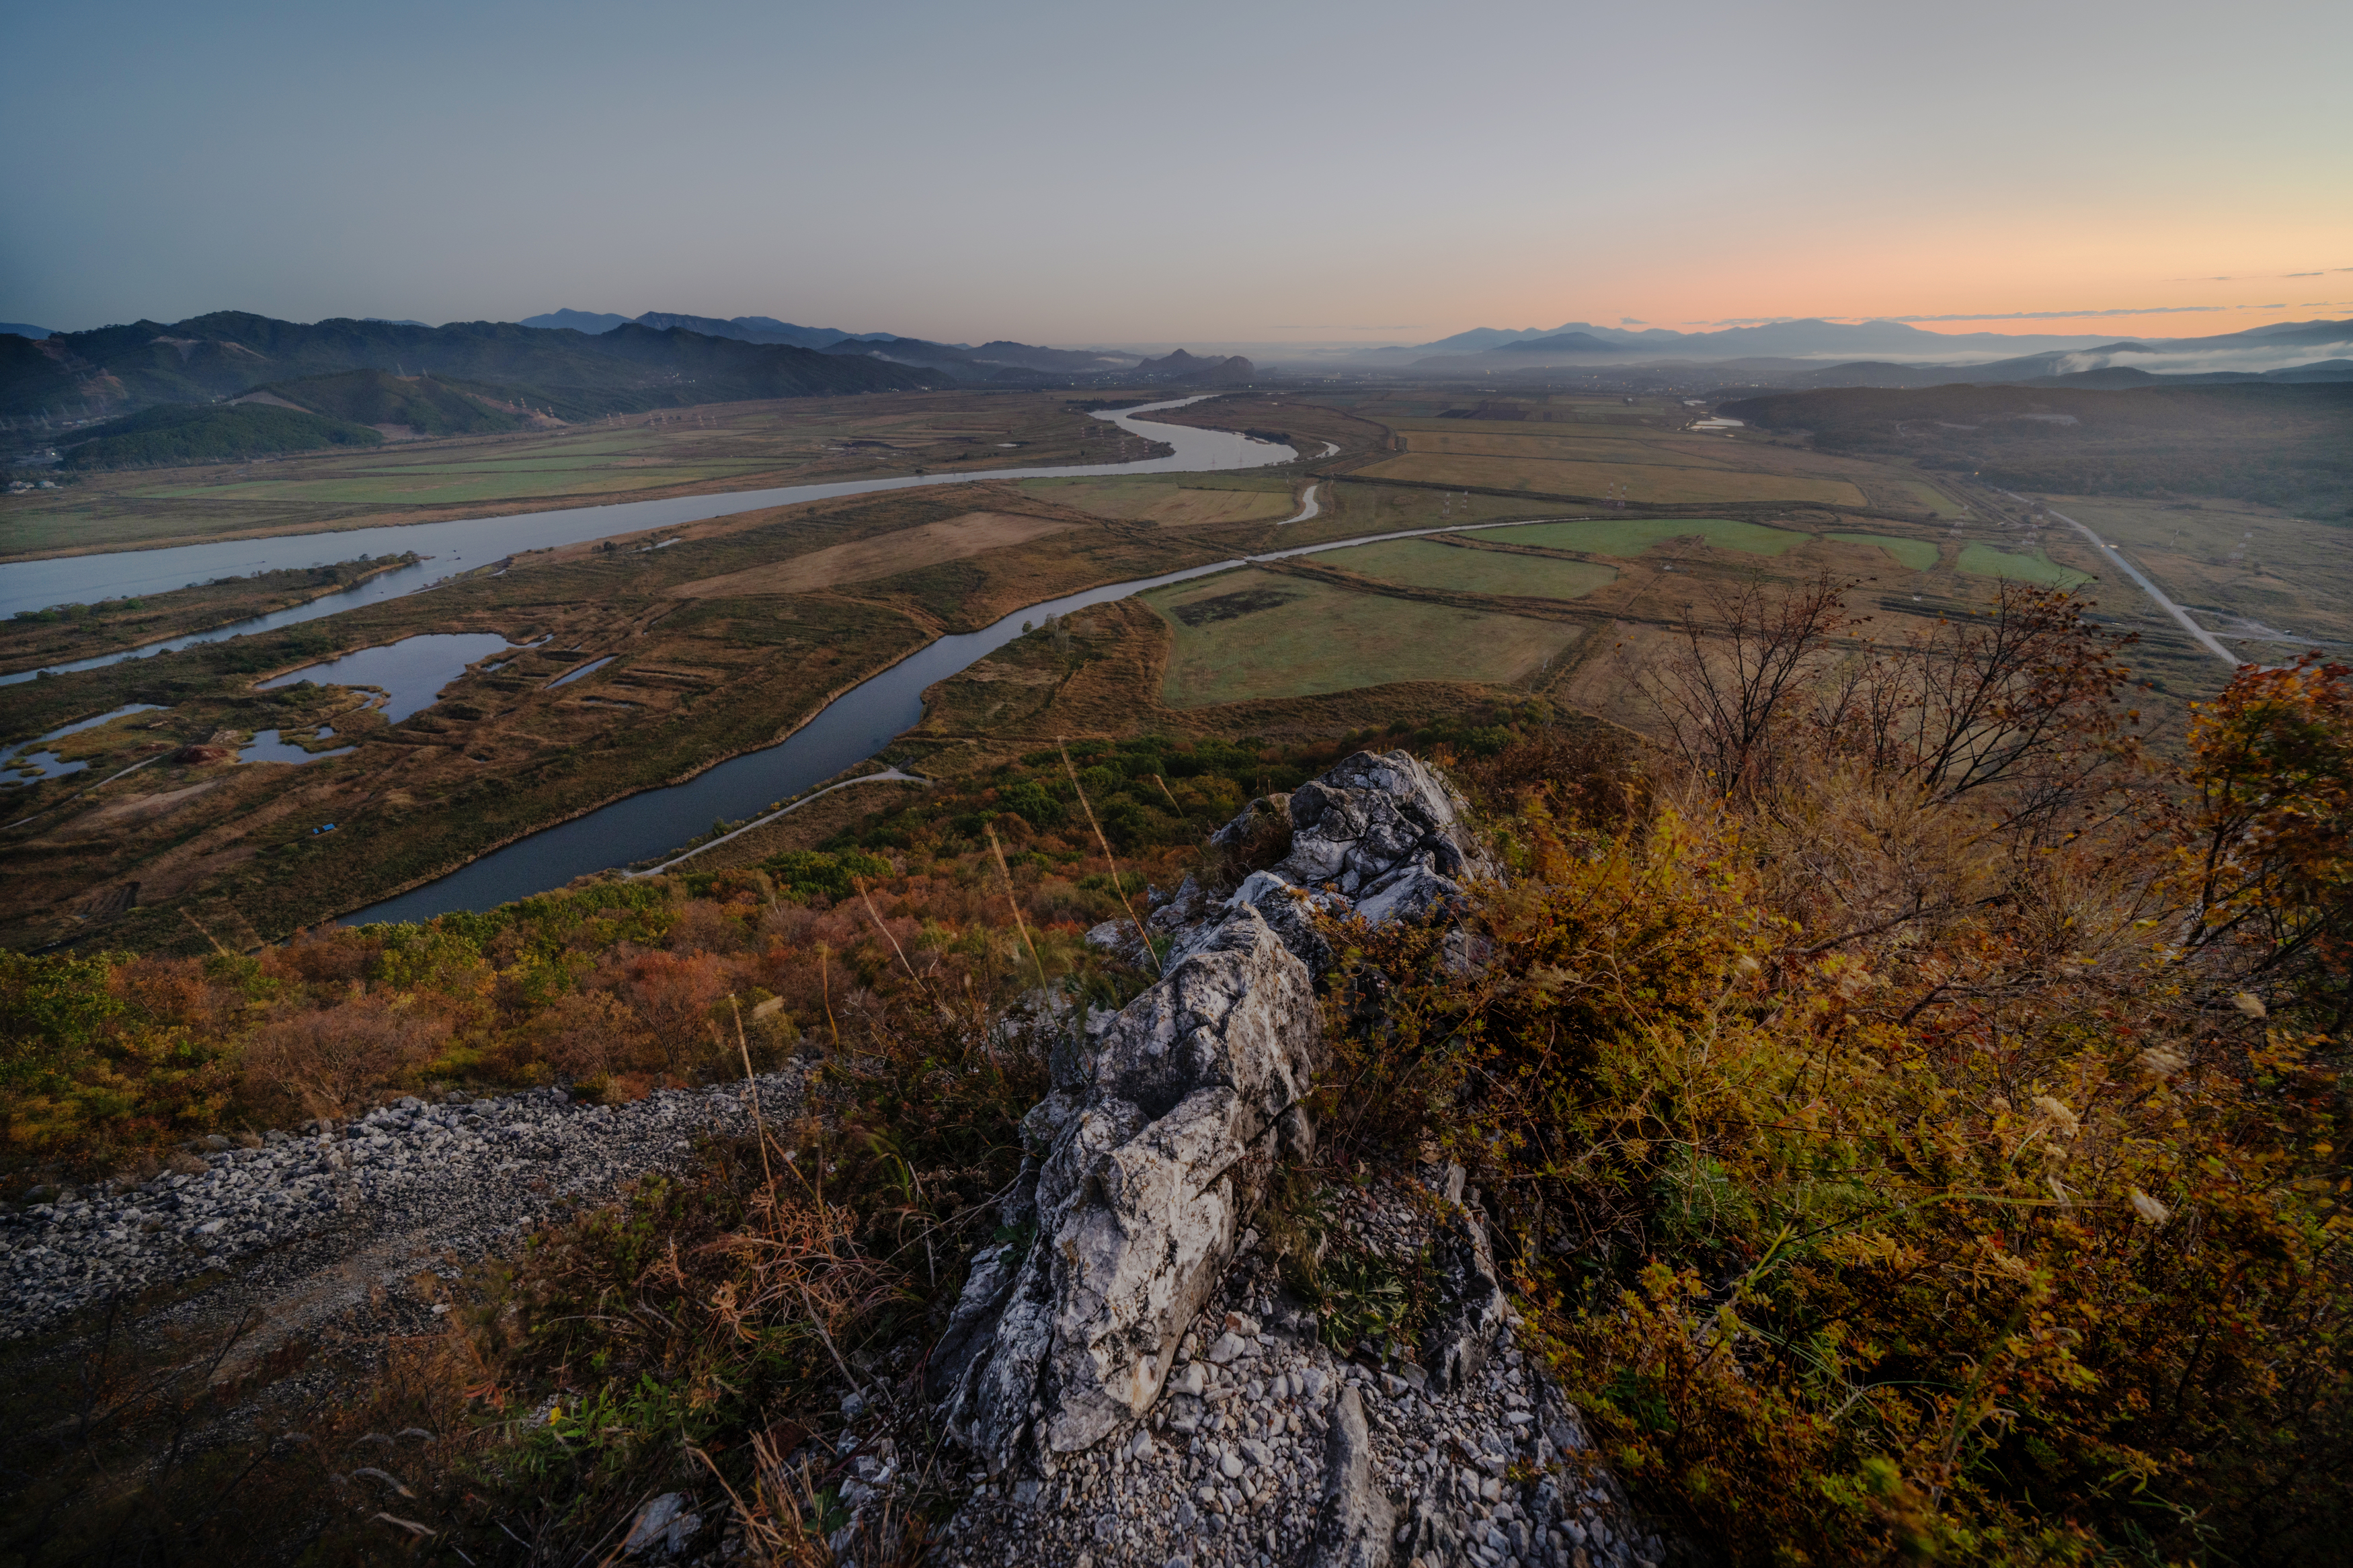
[327, 1060]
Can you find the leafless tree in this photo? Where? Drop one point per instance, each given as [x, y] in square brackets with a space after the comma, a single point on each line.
[1747, 656]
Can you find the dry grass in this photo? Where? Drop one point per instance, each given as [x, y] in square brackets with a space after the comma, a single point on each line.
[1642, 482]
[1170, 504]
[886, 555]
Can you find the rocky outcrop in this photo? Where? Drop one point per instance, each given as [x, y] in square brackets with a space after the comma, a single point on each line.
[1151, 1149]
[1379, 837]
[1138, 1385]
[1164, 1122]
[1254, 1455]
[1354, 1525]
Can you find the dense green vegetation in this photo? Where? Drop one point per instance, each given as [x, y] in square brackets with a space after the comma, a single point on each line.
[2278, 446]
[212, 433]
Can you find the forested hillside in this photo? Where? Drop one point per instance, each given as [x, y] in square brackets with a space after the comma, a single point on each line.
[571, 374]
[211, 433]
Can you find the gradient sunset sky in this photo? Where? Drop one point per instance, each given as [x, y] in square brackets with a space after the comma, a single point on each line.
[1202, 173]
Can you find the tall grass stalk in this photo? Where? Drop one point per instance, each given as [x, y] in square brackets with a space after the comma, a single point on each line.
[1014, 902]
[1118, 883]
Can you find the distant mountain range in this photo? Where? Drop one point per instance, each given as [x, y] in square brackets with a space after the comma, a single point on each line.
[744, 329]
[1864, 341]
[209, 358]
[24, 329]
[349, 408]
[2061, 370]
[962, 362]
[345, 381]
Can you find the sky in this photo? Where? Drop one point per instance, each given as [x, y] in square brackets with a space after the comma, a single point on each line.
[1213, 172]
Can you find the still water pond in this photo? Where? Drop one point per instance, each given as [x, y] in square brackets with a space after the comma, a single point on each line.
[410, 672]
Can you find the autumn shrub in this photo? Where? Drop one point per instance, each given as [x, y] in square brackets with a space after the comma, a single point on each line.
[104, 1058]
[707, 1324]
[1892, 1170]
[328, 1061]
[591, 1036]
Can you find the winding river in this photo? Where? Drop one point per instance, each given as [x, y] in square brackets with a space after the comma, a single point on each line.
[461, 544]
[845, 732]
[848, 730]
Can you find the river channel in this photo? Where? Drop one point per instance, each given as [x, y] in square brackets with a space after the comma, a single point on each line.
[462, 544]
[845, 732]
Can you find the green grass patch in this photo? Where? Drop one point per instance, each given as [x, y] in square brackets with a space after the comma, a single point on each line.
[1918, 555]
[1984, 560]
[1427, 563]
[1249, 634]
[1630, 536]
[1935, 499]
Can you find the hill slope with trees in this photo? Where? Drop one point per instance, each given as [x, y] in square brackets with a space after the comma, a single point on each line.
[569, 373]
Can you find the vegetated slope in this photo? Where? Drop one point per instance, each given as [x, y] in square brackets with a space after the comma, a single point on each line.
[1030, 356]
[426, 405]
[1179, 365]
[1965, 1204]
[38, 378]
[172, 434]
[2289, 446]
[750, 329]
[632, 367]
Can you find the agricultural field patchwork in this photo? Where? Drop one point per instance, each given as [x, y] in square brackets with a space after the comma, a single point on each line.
[1172, 504]
[2280, 583]
[1430, 563]
[1648, 483]
[721, 446]
[1985, 561]
[1256, 633]
[1630, 536]
[1917, 555]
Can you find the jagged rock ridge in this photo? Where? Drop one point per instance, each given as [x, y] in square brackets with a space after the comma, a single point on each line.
[1133, 1380]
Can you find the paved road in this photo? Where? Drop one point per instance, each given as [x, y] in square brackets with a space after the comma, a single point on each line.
[2206, 639]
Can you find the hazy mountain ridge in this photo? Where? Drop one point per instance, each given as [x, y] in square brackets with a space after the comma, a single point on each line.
[226, 353]
[1813, 337]
[744, 329]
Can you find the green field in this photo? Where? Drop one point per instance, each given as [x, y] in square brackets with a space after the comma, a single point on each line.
[1628, 537]
[1651, 483]
[1252, 634]
[1935, 500]
[1918, 555]
[1427, 563]
[1984, 560]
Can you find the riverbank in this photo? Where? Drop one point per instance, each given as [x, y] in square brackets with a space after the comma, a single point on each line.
[53, 637]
